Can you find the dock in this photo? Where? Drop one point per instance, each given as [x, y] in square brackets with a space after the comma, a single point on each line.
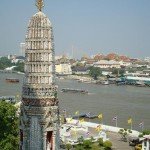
[84, 115]
[11, 99]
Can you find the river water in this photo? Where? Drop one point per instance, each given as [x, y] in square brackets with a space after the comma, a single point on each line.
[110, 100]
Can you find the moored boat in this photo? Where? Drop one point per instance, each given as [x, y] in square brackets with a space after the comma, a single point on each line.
[12, 80]
[105, 82]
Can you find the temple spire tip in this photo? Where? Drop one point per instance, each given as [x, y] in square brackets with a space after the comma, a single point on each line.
[40, 4]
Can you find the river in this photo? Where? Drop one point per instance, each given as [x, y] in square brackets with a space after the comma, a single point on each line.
[110, 100]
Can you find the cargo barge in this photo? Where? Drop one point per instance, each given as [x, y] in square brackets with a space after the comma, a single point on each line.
[74, 90]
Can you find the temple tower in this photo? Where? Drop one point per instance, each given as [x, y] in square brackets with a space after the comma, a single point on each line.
[39, 118]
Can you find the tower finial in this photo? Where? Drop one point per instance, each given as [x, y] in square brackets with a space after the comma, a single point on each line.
[39, 4]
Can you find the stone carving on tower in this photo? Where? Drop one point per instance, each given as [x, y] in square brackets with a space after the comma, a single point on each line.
[39, 118]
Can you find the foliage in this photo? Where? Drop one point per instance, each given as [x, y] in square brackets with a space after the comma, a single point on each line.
[68, 146]
[87, 144]
[95, 72]
[20, 67]
[107, 145]
[4, 63]
[124, 133]
[8, 127]
[92, 139]
[100, 142]
[80, 140]
[116, 71]
[145, 132]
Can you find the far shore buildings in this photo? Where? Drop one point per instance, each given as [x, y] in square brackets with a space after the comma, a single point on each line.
[107, 64]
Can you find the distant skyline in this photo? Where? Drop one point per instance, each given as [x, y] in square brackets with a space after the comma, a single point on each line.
[90, 27]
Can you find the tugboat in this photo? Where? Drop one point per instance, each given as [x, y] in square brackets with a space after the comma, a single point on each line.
[12, 80]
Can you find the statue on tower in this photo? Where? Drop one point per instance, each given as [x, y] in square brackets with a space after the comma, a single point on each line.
[39, 4]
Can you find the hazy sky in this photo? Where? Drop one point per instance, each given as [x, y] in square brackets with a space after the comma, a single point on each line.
[89, 26]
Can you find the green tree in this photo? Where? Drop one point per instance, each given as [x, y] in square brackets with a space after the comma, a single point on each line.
[95, 72]
[87, 144]
[80, 140]
[4, 63]
[124, 133]
[107, 145]
[20, 67]
[68, 146]
[8, 127]
[100, 142]
[144, 132]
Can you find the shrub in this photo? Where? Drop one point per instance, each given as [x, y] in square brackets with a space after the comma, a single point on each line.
[100, 142]
[68, 146]
[87, 144]
[107, 145]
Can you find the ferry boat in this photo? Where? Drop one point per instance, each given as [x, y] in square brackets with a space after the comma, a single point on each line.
[12, 80]
[74, 90]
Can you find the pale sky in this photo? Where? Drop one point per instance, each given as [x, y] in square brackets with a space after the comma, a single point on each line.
[89, 26]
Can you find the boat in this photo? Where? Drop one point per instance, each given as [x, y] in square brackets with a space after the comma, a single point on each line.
[12, 80]
[105, 82]
[74, 90]
[140, 83]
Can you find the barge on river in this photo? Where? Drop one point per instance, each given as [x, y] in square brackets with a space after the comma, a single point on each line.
[74, 90]
[12, 80]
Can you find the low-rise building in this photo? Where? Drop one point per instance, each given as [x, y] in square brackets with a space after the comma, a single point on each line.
[107, 64]
[146, 142]
[125, 63]
[63, 69]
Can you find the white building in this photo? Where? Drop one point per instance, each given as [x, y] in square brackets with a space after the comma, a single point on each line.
[125, 63]
[63, 69]
[146, 142]
[22, 48]
[107, 64]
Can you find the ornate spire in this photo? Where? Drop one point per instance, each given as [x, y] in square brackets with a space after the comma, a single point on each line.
[39, 4]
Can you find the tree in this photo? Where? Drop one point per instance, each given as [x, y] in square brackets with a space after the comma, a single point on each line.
[116, 71]
[68, 146]
[4, 63]
[8, 127]
[80, 140]
[124, 133]
[107, 145]
[87, 144]
[80, 145]
[95, 72]
[20, 67]
[100, 142]
[144, 132]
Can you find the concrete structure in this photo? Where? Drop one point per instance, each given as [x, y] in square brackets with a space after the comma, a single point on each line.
[39, 116]
[107, 64]
[22, 49]
[146, 142]
[63, 69]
